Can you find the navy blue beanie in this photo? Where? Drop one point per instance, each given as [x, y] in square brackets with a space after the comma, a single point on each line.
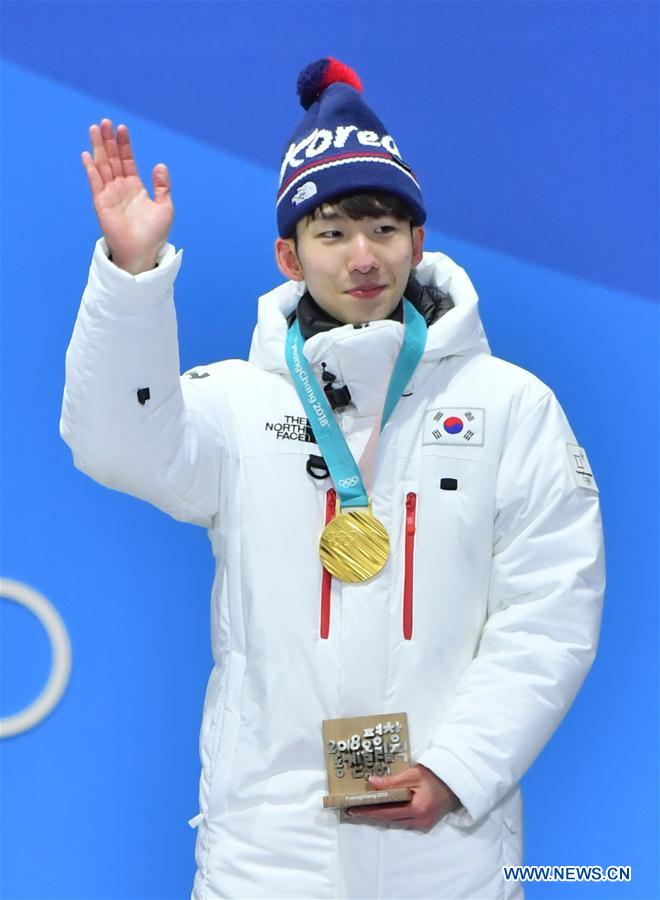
[339, 147]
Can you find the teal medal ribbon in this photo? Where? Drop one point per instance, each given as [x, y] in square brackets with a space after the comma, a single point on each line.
[332, 443]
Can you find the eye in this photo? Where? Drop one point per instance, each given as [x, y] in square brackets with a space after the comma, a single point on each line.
[391, 227]
[330, 233]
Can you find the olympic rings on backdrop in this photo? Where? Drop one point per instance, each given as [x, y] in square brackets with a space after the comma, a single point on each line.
[60, 667]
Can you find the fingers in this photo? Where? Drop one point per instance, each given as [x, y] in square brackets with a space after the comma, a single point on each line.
[112, 158]
[404, 816]
[110, 147]
[389, 811]
[409, 778]
[161, 179]
[96, 183]
[385, 815]
[125, 151]
[100, 156]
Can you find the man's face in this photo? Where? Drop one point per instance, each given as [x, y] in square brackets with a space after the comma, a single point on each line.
[342, 259]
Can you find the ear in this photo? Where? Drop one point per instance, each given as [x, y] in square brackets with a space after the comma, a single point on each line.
[287, 259]
[418, 245]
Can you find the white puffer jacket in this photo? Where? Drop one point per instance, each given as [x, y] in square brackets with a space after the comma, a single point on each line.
[482, 625]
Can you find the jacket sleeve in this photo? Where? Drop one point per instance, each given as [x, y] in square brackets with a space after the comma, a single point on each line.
[168, 449]
[539, 640]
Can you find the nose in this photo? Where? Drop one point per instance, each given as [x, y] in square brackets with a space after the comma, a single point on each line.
[361, 256]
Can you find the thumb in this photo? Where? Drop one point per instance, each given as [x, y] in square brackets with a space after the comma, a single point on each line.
[403, 779]
[161, 179]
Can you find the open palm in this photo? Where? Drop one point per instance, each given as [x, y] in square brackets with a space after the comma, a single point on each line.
[134, 225]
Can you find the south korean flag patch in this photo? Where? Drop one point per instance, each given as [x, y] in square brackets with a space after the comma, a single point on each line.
[455, 425]
[580, 468]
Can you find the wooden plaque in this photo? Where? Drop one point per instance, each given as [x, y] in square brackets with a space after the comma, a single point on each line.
[361, 746]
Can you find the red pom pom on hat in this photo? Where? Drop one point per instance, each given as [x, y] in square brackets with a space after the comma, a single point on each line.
[316, 77]
[338, 71]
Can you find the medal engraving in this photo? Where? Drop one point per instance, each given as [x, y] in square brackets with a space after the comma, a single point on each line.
[354, 546]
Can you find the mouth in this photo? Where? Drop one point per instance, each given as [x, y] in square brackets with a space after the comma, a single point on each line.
[367, 291]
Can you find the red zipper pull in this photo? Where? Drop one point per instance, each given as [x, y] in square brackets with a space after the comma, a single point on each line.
[411, 508]
[330, 505]
[326, 582]
[411, 511]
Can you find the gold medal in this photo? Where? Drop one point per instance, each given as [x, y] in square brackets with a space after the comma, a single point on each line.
[354, 546]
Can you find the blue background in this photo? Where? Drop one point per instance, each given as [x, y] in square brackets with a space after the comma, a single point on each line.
[533, 129]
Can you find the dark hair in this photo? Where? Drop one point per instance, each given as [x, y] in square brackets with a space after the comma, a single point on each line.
[367, 205]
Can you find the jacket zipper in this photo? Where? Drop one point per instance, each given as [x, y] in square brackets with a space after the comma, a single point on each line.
[411, 509]
[326, 583]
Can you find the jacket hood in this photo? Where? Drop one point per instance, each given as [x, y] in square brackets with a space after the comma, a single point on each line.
[458, 331]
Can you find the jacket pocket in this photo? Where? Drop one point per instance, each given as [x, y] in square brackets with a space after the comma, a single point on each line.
[326, 580]
[409, 562]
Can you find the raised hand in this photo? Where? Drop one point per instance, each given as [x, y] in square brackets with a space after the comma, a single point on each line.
[135, 226]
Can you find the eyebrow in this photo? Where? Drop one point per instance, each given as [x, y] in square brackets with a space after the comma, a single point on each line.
[329, 217]
[334, 216]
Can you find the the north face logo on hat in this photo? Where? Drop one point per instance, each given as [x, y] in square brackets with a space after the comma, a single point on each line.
[304, 192]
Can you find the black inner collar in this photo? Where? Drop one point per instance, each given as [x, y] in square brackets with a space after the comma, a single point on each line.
[431, 302]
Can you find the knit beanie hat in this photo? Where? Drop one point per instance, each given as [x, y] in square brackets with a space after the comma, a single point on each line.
[339, 147]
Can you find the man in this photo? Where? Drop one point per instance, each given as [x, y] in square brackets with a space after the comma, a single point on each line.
[370, 399]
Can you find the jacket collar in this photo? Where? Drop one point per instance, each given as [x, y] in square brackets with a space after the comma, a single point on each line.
[363, 357]
[428, 300]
